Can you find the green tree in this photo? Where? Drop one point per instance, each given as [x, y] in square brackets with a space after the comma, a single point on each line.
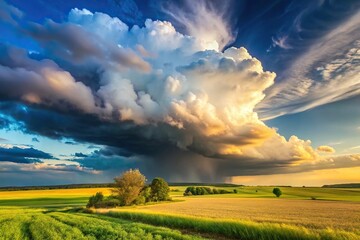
[128, 186]
[159, 190]
[144, 196]
[95, 199]
[277, 192]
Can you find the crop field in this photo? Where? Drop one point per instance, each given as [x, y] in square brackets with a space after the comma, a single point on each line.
[36, 224]
[252, 213]
[307, 213]
[49, 198]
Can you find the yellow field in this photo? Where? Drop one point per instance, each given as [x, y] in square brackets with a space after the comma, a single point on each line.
[54, 193]
[308, 213]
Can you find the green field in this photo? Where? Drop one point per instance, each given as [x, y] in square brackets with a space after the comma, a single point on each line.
[252, 213]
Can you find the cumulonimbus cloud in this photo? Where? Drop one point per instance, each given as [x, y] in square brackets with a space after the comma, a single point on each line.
[148, 91]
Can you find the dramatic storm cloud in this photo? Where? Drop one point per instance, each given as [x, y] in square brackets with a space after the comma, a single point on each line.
[176, 105]
[21, 154]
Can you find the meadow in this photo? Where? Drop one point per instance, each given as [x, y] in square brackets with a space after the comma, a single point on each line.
[252, 213]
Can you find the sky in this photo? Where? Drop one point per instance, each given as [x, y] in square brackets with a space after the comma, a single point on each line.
[248, 92]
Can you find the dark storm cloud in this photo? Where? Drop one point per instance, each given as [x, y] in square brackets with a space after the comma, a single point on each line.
[79, 154]
[22, 155]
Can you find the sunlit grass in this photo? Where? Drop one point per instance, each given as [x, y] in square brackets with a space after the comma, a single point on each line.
[235, 229]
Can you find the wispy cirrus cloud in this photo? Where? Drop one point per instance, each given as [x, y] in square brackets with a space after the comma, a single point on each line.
[327, 71]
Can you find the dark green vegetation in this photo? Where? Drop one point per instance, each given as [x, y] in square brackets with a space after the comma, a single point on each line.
[130, 189]
[22, 224]
[277, 192]
[190, 191]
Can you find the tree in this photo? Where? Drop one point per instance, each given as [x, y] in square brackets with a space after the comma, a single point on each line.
[128, 186]
[95, 199]
[159, 190]
[277, 192]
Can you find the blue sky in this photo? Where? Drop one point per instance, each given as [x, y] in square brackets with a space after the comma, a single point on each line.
[191, 91]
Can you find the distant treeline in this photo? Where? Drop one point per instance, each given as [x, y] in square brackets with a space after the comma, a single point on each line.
[344, 185]
[205, 191]
[105, 185]
[68, 186]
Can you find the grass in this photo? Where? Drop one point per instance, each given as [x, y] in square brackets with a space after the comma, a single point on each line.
[333, 194]
[235, 229]
[307, 213]
[252, 213]
[37, 225]
[49, 198]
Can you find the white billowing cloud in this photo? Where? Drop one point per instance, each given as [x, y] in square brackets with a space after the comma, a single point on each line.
[329, 71]
[201, 19]
[207, 96]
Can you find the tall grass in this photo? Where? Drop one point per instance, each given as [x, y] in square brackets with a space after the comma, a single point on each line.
[235, 229]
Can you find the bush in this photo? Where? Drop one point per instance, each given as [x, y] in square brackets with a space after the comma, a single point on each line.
[313, 198]
[95, 199]
[208, 190]
[223, 191]
[146, 193]
[215, 191]
[277, 192]
[187, 194]
[140, 200]
[235, 191]
[159, 190]
[108, 203]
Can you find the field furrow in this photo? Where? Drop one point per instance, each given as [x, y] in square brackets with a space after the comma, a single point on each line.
[15, 228]
[117, 229]
[46, 227]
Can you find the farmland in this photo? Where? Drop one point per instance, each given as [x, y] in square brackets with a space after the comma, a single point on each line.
[252, 213]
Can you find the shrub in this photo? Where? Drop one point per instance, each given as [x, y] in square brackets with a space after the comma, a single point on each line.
[187, 194]
[146, 193]
[223, 191]
[159, 190]
[208, 190]
[215, 191]
[235, 191]
[108, 203]
[277, 192]
[140, 200]
[128, 186]
[95, 199]
[193, 190]
[313, 198]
